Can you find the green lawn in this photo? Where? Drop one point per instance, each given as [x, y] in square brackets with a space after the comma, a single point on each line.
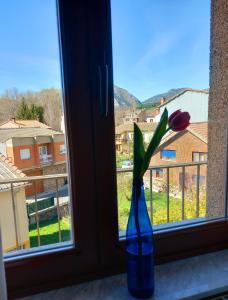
[160, 208]
[49, 232]
[49, 229]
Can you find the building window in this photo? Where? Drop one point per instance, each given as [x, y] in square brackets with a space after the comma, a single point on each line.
[157, 173]
[202, 179]
[43, 151]
[168, 155]
[62, 149]
[25, 154]
[199, 156]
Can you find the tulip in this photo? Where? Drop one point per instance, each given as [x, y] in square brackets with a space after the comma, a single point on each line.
[178, 120]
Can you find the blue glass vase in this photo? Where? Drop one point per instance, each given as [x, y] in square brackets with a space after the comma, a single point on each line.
[139, 247]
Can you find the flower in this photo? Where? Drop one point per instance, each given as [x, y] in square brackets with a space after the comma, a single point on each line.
[179, 120]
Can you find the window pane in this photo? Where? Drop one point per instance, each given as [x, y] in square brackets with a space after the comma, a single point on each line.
[35, 207]
[157, 48]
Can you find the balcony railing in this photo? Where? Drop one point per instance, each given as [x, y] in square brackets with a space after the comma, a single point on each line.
[46, 159]
[151, 181]
[58, 208]
[60, 203]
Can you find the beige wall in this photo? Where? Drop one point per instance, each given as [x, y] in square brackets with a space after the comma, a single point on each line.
[218, 108]
[7, 219]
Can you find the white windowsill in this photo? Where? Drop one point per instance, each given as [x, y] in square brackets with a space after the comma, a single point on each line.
[191, 278]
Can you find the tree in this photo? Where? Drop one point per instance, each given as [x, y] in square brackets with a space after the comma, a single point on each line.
[23, 113]
[32, 112]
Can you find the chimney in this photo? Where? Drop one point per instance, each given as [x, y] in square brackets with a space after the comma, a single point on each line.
[162, 100]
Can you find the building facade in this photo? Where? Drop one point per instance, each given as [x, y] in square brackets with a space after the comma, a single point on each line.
[35, 151]
[14, 224]
[125, 135]
[187, 146]
[193, 101]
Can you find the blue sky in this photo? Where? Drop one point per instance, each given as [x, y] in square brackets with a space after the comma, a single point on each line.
[157, 45]
[160, 44]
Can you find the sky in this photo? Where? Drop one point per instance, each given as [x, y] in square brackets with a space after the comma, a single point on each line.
[157, 45]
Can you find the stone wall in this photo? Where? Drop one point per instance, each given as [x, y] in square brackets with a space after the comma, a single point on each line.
[50, 184]
[218, 108]
[50, 213]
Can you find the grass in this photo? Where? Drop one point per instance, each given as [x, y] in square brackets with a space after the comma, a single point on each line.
[49, 232]
[159, 204]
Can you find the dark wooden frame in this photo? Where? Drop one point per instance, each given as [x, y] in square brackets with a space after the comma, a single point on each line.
[85, 30]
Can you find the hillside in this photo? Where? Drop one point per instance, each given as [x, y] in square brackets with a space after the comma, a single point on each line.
[122, 98]
[167, 95]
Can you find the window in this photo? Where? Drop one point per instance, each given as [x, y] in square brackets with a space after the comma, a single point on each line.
[62, 149]
[168, 155]
[199, 156]
[25, 154]
[43, 151]
[157, 173]
[202, 179]
[92, 157]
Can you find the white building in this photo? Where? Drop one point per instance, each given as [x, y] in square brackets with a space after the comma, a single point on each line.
[193, 101]
[13, 213]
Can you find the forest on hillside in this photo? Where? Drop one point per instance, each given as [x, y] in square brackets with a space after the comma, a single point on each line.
[47, 100]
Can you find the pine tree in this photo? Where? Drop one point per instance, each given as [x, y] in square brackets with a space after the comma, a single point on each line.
[34, 112]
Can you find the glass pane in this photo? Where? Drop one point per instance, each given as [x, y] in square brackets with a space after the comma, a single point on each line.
[35, 210]
[161, 60]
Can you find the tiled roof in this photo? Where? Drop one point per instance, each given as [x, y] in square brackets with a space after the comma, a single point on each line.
[184, 91]
[129, 127]
[9, 171]
[32, 123]
[200, 128]
[151, 112]
[23, 123]
[6, 134]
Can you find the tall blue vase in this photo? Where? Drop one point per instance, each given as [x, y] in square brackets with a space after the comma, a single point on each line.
[139, 247]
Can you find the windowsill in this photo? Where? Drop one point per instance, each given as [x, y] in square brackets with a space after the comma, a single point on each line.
[191, 278]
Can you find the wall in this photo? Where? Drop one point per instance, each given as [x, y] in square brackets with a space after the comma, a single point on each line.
[184, 143]
[29, 190]
[7, 219]
[218, 109]
[195, 103]
[50, 184]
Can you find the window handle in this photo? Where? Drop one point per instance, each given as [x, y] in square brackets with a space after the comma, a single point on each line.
[103, 90]
[106, 90]
[100, 91]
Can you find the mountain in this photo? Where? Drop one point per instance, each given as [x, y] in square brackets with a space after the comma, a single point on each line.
[122, 98]
[167, 95]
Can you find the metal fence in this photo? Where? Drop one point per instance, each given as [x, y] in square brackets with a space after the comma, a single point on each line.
[167, 167]
[37, 210]
[35, 203]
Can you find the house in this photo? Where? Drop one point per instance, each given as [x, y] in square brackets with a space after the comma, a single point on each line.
[14, 223]
[134, 116]
[125, 135]
[151, 115]
[187, 146]
[35, 151]
[191, 100]
[16, 123]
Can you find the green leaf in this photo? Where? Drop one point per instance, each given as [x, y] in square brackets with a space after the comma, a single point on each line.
[155, 141]
[139, 153]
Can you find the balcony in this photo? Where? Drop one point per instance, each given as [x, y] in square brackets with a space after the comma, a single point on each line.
[47, 218]
[46, 159]
[39, 220]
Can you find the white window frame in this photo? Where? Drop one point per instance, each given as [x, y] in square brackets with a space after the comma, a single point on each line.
[25, 154]
[63, 150]
[41, 153]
